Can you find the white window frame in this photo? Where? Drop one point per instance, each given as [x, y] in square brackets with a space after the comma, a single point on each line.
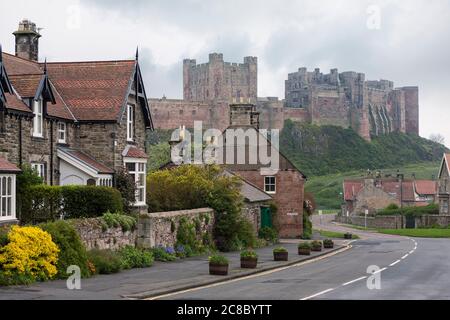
[130, 122]
[140, 169]
[39, 168]
[8, 193]
[62, 131]
[268, 184]
[38, 120]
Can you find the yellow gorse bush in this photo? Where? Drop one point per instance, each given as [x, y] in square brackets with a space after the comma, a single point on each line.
[31, 252]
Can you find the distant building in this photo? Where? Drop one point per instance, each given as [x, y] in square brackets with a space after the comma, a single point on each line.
[444, 184]
[376, 194]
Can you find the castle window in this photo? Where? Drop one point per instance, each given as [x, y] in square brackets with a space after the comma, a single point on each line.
[130, 123]
[7, 197]
[270, 184]
[61, 132]
[38, 119]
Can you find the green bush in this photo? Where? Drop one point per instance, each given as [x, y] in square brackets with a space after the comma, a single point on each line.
[304, 245]
[307, 227]
[187, 235]
[72, 250]
[116, 220]
[279, 250]
[218, 259]
[44, 203]
[135, 258]
[127, 188]
[249, 254]
[105, 261]
[316, 244]
[15, 279]
[163, 254]
[269, 234]
[410, 211]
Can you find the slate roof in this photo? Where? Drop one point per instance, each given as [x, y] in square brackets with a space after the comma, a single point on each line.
[87, 160]
[8, 167]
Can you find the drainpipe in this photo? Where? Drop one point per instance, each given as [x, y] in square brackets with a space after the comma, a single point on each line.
[20, 142]
[51, 152]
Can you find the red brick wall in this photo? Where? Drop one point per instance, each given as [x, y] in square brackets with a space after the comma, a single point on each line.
[289, 199]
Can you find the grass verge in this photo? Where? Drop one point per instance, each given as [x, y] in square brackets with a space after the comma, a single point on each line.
[335, 235]
[419, 233]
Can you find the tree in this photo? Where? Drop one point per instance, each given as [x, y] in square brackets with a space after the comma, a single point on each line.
[438, 138]
[127, 188]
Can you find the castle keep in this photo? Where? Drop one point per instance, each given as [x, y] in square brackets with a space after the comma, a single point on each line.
[344, 99]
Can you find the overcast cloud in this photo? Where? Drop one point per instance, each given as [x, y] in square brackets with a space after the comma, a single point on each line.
[411, 47]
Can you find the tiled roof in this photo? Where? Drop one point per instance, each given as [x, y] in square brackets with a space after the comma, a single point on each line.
[26, 85]
[16, 66]
[6, 166]
[93, 91]
[133, 152]
[405, 191]
[60, 109]
[426, 187]
[14, 103]
[351, 189]
[87, 160]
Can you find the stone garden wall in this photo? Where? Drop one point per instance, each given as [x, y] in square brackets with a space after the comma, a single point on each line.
[95, 235]
[379, 222]
[160, 228]
[433, 220]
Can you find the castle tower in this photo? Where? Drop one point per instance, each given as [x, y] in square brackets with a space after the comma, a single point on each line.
[27, 40]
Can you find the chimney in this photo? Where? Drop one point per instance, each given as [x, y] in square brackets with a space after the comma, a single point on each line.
[27, 40]
[244, 114]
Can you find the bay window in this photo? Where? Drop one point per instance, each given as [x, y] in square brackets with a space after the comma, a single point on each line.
[7, 197]
[38, 122]
[137, 170]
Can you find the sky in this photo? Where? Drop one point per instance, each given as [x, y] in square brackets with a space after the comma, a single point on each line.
[406, 41]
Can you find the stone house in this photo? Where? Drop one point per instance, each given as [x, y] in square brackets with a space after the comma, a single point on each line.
[376, 194]
[74, 123]
[444, 185]
[285, 183]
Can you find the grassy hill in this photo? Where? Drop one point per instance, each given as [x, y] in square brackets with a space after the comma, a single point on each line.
[322, 150]
[327, 189]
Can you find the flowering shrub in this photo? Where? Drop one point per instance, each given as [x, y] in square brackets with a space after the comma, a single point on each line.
[163, 254]
[30, 253]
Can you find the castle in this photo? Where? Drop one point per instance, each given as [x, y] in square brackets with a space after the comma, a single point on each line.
[344, 99]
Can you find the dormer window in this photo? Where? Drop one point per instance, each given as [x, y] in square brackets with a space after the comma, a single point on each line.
[62, 132]
[130, 123]
[38, 119]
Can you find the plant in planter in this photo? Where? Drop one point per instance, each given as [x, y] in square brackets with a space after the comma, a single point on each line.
[348, 235]
[328, 244]
[304, 248]
[218, 265]
[280, 254]
[249, 259]
[316, 245]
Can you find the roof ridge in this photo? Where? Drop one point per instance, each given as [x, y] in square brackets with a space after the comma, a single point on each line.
[20, 58]
[88, 61]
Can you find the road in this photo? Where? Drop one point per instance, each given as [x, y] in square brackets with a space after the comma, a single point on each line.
[407, 269]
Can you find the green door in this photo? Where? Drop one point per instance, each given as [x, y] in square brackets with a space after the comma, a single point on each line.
[266, 217]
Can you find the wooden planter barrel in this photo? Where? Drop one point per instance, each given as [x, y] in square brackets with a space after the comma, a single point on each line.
[328, 246]
[316, 249]
[304, 252]
[218, 269]
[348, 236]
[280, 256]
[249, 263]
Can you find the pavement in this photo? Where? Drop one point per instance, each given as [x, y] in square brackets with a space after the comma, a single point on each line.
[162, 278]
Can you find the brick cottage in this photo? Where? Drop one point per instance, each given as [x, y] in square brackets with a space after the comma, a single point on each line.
[75, 123]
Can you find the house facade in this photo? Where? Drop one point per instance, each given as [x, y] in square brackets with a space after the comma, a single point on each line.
[374, 194]
[444, 185]
[74, 123]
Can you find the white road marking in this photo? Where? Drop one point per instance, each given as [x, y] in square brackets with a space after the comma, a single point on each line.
[411, 252]
[318, 294]
[381, 270]
[252, 275]
[394, 263]
[405, 256]
[353, 281]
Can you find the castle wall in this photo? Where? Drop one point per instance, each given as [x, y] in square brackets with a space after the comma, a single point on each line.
[411, 109]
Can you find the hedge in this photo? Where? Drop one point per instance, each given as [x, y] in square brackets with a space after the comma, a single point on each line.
[44, 203]
[410, 211]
